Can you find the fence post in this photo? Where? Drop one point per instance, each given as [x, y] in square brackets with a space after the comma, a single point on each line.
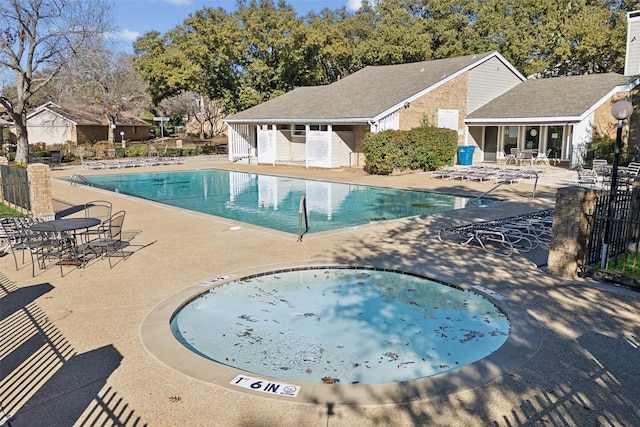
[3, 162]
[571, 230]
[40, 193]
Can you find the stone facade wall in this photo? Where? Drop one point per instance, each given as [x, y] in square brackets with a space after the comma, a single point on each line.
[570, 228]
[40, 193]
[451, 96]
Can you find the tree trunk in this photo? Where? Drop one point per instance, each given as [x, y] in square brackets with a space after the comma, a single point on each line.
[201, 117]
[111, 133]
[22, 140]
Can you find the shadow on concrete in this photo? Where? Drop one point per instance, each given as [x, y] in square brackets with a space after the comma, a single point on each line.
[585, 372]
[43, 381]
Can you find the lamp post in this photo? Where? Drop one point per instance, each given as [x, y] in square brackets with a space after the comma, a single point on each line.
[621, 110]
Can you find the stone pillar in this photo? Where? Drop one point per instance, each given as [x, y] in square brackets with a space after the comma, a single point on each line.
[40, 193]
[570, 230]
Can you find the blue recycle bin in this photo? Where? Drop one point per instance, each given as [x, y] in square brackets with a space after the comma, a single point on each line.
[465, 154]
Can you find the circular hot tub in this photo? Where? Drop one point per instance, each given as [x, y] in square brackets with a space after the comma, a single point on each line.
[304, 327]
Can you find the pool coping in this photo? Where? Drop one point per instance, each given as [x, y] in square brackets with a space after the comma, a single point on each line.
[456, 194]
[523, 342]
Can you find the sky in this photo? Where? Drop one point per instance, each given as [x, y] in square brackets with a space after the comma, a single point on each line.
[134, 18]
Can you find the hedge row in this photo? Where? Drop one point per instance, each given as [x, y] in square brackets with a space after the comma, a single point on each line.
[142, 150]
[424, 148]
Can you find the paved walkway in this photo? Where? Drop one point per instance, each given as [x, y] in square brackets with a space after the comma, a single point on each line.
[71, 349]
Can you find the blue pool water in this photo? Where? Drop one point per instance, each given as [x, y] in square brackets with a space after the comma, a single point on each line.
[350, 325]
[274, 201]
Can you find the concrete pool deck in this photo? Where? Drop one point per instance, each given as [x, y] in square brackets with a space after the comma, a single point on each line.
[72, 352]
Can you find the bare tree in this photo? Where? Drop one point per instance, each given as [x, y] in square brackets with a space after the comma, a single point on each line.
[209, 113]
[38, 34]
[183, 105]
[214, 113]
[97, 77]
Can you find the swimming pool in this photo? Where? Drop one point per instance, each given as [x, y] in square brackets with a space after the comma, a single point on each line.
[274, 201]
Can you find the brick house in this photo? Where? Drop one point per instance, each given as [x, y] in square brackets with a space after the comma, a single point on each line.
[54, 124]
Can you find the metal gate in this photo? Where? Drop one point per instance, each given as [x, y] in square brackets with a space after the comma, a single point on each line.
[15, 190]
[614, 239]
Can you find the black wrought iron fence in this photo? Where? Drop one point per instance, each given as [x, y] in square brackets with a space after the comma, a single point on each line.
[15, 191]
[612, 249]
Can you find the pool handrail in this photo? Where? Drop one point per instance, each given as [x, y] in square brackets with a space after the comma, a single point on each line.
[302, 209]
[77, 177]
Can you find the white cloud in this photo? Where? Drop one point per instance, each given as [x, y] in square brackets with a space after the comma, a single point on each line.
[128, 35]
[354, 4]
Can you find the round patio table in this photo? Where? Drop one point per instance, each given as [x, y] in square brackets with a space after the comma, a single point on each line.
[65, 224]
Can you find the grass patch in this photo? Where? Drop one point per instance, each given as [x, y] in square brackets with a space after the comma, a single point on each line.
[6, 210]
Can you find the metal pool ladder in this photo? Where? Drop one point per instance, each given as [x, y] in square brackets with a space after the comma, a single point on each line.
[302, 210]
[77, 178]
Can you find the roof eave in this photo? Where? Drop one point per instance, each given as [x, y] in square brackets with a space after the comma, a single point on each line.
[522, 120]
[55, 113]
[282, 121]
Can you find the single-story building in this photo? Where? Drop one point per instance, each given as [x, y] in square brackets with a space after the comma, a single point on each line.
[560, 116]
[483, 97]
[324, 126]
[53, 124]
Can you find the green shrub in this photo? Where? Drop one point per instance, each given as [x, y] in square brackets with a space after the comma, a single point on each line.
[208, 149]
[137, 150]
[424, 148]
[40, 153]
[600, 149]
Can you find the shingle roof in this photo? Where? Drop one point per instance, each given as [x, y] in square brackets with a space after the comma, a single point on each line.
[553, 97]
[90, 115]
[361, 95]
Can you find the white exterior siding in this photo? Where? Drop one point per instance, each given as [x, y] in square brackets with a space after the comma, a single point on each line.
[241, 141]
[632, 57]
[341, 143]
[581, 136]
[390, 122]
[298, 150]
[488, 81]
[283, 147]
[49, 128]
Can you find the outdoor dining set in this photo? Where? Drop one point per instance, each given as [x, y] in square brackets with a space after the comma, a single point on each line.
[73, 237]
[529, 157]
